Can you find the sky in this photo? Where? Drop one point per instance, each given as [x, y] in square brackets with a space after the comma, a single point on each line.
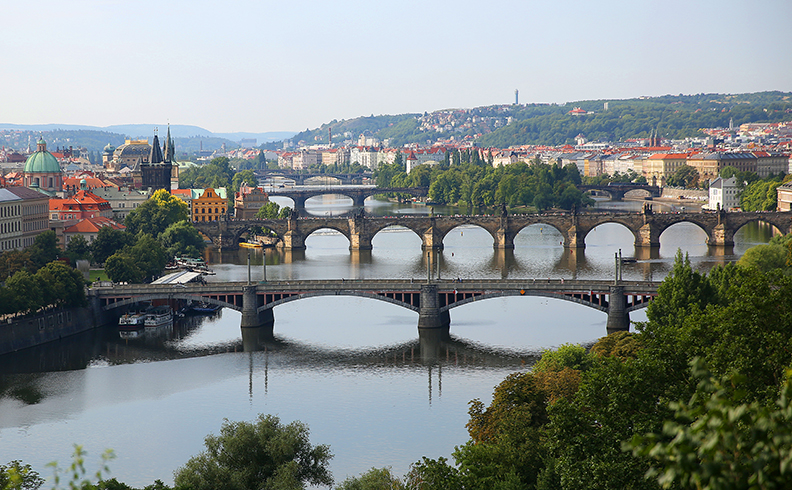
[289, 65]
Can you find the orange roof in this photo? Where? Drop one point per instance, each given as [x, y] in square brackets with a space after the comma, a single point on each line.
[93, 225]
[668, 156]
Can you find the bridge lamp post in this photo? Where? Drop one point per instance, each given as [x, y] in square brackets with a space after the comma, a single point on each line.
[248, 260]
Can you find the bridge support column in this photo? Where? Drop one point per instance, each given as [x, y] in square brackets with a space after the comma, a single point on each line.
[226, 241]
[575, 238]
[432, 239]
[293, 239]
[429, 315]
[648, 236]
[251, 318]
[618, 318]
[721, 236]
[504, 240]
[358, 238]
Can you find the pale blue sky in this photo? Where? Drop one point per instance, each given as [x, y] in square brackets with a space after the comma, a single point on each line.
[294, 64]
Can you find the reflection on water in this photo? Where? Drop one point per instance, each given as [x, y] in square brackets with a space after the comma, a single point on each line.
[355, 370]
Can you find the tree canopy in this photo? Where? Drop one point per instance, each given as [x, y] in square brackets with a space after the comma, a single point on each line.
[158, 212]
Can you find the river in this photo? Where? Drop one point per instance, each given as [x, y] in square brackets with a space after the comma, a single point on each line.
[349, 368]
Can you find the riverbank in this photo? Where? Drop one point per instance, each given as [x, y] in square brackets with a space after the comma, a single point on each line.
[53, 324]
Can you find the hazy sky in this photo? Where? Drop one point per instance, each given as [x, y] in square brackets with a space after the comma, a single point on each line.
[288, 65]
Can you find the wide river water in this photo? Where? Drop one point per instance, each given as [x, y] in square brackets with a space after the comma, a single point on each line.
[347, 367]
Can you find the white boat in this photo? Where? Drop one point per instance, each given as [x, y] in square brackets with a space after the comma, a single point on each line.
[132, 320]
[159, 315]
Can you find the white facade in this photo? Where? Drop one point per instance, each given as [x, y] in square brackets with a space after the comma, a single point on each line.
[723, 194]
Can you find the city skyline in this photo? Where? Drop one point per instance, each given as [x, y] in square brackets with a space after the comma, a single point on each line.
[291, 66]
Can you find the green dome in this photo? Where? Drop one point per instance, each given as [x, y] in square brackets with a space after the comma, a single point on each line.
[109, 149]
[42, 161]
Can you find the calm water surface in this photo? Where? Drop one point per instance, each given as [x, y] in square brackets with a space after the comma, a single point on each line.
[349, 368]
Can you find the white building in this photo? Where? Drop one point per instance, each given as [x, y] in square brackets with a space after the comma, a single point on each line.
[723, 194]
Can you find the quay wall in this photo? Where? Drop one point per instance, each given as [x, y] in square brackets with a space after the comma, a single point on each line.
[32, 330]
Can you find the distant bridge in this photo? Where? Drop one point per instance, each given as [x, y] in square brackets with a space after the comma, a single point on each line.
[431, 299]
[357, 194]
[300, 178]
[645, 226]
[617, 191]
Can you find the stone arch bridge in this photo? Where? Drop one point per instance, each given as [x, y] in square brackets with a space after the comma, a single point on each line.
[646, 227]
[357, 194]
[432, 300]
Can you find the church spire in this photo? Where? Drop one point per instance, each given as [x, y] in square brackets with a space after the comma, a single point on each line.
[170, 149]
[155, 157]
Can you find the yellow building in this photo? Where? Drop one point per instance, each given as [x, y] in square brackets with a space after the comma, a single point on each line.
[210, 206]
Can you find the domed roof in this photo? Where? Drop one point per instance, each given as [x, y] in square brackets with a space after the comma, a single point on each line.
[42, 161]
[109, 148]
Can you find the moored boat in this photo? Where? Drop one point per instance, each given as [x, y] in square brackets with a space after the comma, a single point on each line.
[131, 320]
[159, 315]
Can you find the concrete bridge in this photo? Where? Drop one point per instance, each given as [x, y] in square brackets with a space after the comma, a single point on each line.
[617, 191]
[431, 299]
[357, 194]
[645, 226]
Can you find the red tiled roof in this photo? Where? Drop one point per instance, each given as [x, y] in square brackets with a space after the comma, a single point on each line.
[93, 225]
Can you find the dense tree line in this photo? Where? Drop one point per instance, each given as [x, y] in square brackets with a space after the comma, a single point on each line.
[217, 173]
[34, 278]
[471, 181]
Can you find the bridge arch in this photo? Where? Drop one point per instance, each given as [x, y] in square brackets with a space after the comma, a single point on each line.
[516, 230]
[708, 231]
[445, 231]
[316, 294]
[311, 230]
[622, 224]
[543, 294]
[383, 227]
[762, 220]
[183, 296]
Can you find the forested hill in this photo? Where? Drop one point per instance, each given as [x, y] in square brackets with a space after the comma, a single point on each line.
[673, 116]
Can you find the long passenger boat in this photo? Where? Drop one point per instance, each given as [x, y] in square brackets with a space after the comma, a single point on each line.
[159, 315]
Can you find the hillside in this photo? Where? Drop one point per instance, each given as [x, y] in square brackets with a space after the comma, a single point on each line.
[672, 116]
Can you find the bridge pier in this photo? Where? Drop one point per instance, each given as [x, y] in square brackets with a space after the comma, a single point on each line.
[504, 240]
[721, 236]
[251, 317]
[618, 318]
[648, 236]
[430, 341]
[575, 238]
[358, 238]
[432, 239]
[429, 314]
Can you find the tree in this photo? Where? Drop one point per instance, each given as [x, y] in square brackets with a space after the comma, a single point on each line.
[149, 255]
[158, 212]
[18, 476]
[181, 238]
[374, 479]
[720, 441]
[44, 249]
[685, 176]
[25, 292]
[252, 456]
[121, 267]
[62, 285]
[78, 248]
[109, 241]
[12, 261]
[246, 176]
[765, 257]
[272, 210]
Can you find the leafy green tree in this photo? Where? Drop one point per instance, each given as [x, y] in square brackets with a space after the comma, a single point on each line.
[109, 241]
[721, 441]
[149, 255]
[25, 292]
[121, 267]
[374, 479]
[246, 176]
[181, 238]
[760, 196]
[765, 257]
[44, 249]
[158, 212]
[62, 285]
[251, 456]
[272, 210]
[12, 261]
[78, 248]
[685, 176]
[431, 474]
[17, 476]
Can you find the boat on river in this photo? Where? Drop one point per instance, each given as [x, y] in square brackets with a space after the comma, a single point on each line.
[204, 308]
[132, 320]
[159, 315]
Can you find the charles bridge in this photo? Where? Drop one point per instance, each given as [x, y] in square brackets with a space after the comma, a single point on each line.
[646, 227]
[432, 298]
